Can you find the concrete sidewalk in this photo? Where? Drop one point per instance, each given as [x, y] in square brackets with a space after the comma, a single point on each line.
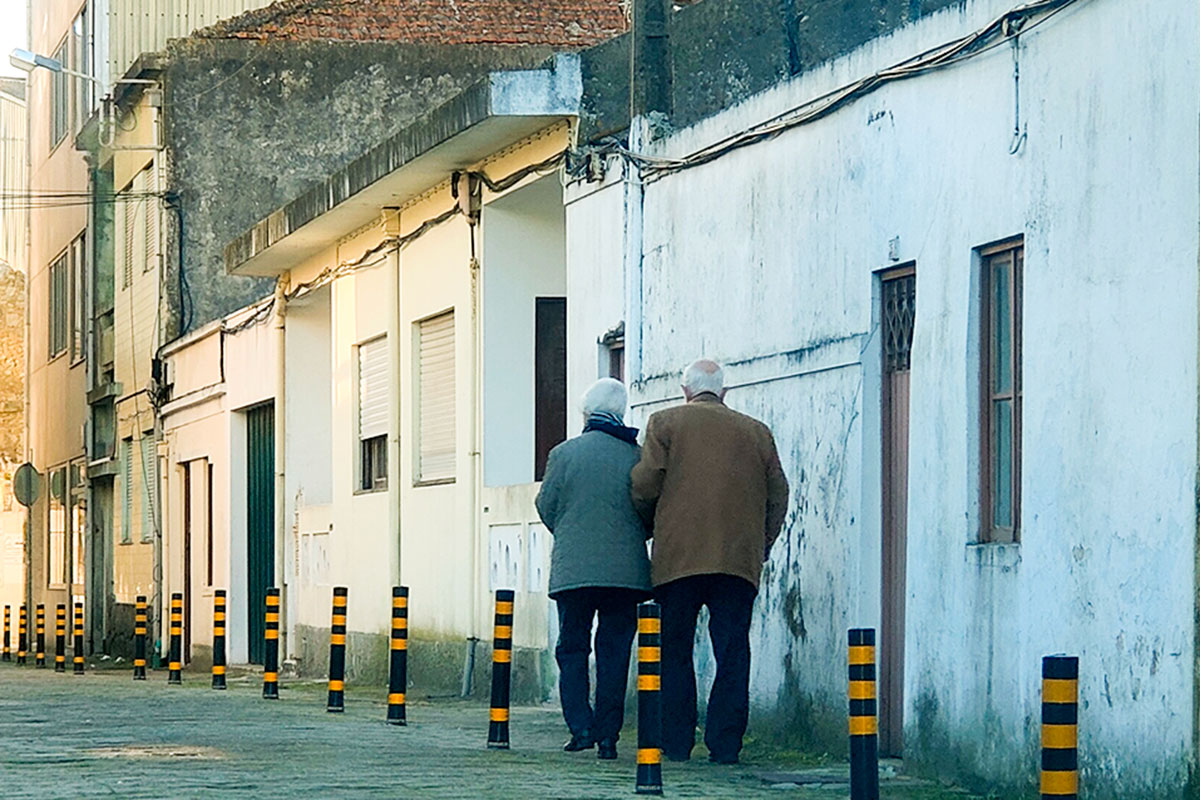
[104, 735]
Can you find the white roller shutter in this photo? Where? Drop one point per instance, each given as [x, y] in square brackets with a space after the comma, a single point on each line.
[373, 389]
[437, 406]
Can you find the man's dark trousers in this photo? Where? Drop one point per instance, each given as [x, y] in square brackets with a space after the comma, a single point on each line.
[730, 601]
[617, 612]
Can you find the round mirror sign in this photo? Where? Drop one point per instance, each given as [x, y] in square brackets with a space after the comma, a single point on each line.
[26, 484]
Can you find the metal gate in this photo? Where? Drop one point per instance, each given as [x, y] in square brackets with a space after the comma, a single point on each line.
[260, 523]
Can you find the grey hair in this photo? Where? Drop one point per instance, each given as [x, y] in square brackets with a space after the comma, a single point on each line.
[607, 396]
[704, 375]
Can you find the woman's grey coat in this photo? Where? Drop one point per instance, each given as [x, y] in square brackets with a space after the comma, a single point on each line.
[586, 502]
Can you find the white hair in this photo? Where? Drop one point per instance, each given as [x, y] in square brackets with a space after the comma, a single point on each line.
[607, 396]
[704, 375]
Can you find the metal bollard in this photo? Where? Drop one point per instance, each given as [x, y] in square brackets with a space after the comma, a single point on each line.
[501, 670]
[6, 655]
[864, 724]
[139, 638]
[60, 638]
[1060, 727]
[39, 655]
[271, 649]
[22, 636]
[649, 684]
[337, 652]
[218, 657]
[77, 649]
[175, 655]
[398, 668]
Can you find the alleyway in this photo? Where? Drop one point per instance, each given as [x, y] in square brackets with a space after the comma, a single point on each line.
[104, 735]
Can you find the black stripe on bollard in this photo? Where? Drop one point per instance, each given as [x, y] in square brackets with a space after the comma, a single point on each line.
[271, 649]
[140, 622]
[60, 638]
[1060, 727]
[649, 686]
[337, 652]
[40, 620]
[501, 670]
[398, 667]
[175, 655]
[864, 724]
[77, 648]
[218, 659]
[22, 636]
[6, 655]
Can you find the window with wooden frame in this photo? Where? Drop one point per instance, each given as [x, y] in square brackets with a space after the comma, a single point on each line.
[148, 447]
[373, 414]
[127, 490]
[1000, 392]
[436, 400]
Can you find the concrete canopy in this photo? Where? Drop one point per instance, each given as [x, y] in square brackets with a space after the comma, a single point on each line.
[496, 112]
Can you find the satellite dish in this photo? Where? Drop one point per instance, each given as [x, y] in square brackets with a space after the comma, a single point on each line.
[27, 483]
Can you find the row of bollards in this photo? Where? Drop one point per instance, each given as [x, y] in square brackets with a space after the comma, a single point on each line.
[38, 642]
[1060, 722]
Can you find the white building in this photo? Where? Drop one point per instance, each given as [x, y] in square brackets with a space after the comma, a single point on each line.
[1042, 404]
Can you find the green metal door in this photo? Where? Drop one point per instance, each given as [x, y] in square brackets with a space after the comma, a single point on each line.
[260, 528]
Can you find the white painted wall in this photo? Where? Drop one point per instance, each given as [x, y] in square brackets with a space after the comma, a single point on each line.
[765, 259]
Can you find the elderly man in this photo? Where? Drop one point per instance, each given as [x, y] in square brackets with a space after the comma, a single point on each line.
[710, 481]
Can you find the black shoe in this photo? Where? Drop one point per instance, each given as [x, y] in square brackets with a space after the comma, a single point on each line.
[578, 743]
[608, 750]
[677, 757]
[724, 760]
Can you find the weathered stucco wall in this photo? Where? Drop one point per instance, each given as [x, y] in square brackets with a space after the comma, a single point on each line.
[766, 259]
[252, 125]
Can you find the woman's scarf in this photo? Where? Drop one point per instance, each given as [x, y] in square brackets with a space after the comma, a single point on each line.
[609, 423]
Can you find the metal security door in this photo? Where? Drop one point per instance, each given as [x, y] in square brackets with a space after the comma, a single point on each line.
[260, 527]
[899, 314]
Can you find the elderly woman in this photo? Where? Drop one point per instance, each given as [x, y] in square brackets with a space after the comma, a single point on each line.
[598, 568]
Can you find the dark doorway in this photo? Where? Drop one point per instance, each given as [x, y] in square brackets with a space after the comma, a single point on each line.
[550, 379]
[260, 523]
[99, 579]
[899, 315]
[187, 561]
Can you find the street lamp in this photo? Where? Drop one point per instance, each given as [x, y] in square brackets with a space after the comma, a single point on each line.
[28, 61]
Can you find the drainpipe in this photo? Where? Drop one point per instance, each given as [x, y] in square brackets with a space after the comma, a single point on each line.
[474, 216]
[391, 228]
[280, 409]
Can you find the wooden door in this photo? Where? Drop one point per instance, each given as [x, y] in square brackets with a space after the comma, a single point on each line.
[899, 314]
[188, 518]
[260, 527]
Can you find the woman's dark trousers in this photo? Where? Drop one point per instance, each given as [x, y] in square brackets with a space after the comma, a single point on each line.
[730, 601]
[617, 613]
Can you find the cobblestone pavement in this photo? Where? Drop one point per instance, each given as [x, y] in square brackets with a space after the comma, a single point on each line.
[104, 735]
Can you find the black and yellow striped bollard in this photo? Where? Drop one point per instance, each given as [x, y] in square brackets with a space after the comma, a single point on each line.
[140, 624]
[398, 666]
[22, 636]
[337, 652]
[175, 655]
[39, 654]
[649, 685]
[77, 648]
[864, 724]
[218, 657]
[1060, 727]
[6, 655]
[271, 647]
[501, 670]
[60, 638]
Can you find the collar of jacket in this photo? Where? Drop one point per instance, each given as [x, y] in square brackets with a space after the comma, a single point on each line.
[706, 397]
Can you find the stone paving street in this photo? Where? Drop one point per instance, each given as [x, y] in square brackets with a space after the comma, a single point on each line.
[104, 735]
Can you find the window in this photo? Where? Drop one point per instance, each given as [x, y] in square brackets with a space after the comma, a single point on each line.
[60, 97]
[373, 414]
[126, 491]
[78, 521]
[59, 303]
[138, 230]
[78, 298]
[1000, 406]
[612, 354]
[57, 575]
[550, 379]
[149, 486]
[82, 61]
[436, 399]
[149, 211]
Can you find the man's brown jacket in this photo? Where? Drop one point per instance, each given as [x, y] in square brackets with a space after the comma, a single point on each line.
[710, 482]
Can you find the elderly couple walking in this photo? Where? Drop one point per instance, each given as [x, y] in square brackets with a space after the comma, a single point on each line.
[708, 489]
